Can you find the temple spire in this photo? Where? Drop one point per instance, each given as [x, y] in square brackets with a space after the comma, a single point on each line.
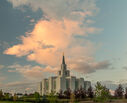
[63, 61]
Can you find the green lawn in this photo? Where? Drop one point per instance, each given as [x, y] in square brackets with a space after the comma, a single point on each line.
[13, 102]
[114, 101]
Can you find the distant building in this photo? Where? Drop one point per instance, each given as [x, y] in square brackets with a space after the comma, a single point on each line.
[62, 81]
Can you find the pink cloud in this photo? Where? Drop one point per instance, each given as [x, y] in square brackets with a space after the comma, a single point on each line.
[56, 34]
[48, 39]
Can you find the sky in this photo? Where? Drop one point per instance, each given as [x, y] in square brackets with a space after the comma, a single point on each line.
[34, 35]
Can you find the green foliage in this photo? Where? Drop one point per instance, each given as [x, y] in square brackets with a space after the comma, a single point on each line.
[1, 95]
[44, 99]
[7, 96]
[67, 93]
[52, 97]
[90, 93]
[15, 97]
[102, 94]
[126, 93]
[13, 102]
[80, 93]
[73, 99]
[37, 97]
[119, 91]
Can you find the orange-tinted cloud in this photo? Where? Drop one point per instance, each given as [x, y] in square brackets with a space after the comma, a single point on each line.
[48, 39]
[57, 33]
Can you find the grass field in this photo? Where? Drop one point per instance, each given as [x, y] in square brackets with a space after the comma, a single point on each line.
[13, 102]
[114, 101]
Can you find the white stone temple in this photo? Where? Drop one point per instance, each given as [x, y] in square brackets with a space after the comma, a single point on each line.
[62, 81]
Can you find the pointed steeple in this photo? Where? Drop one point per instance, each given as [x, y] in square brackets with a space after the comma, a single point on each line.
[63, 60]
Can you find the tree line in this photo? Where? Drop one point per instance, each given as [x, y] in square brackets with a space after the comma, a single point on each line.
[98, 94]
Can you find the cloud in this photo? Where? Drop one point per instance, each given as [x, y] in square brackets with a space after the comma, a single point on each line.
[122, 81]
[30, 75]
[31, 72]
[59, 9]
[1, 66]
[32, 20]
[20, 87]
[83, 66]
[114, 84]
[2, 79]
[125, 67]
[90, 21]
[56, 32]
[4, 45]
[47, 40]
[28, 16]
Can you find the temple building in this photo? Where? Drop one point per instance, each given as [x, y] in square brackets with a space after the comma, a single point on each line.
[62, 81]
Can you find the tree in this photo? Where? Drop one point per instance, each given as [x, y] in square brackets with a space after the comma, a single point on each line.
[82, 93]
[67, 93]
[76, 93]
[15, 97]
[52, 97]
[1, 94]
[7, 96]
[90, 92]
[37, 97]
[60, 94]
[44, 99]
[72, 98]
[102, 94]
[119, 91]
[126, 93]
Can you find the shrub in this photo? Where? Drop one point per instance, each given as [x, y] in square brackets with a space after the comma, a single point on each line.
[126, 93]
[119, 91]
[90, 92]
[52, 98]
[102, 94]
[37, 97]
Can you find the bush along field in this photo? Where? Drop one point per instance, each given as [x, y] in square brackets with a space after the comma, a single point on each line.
[100, 94]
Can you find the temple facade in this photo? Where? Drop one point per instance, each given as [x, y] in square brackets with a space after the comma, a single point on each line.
[62, 81]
